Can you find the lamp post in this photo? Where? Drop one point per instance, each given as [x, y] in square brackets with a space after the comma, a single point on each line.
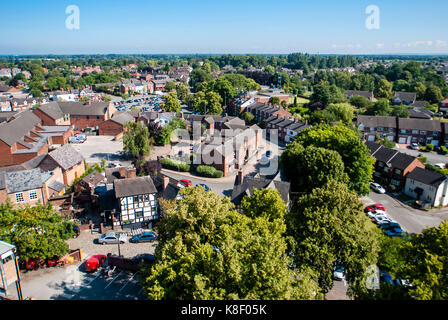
[119, 252]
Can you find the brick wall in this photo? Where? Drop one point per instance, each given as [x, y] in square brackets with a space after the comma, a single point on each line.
[110, 128]
[73, 173]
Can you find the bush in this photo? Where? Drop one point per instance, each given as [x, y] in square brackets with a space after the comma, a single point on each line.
[444, 149]
[174, 165]
[422, 159]
[430, 147]
[209, 172]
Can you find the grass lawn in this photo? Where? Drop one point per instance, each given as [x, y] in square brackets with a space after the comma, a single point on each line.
[300, 100]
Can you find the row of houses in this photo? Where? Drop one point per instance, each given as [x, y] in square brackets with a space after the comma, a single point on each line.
[409, 175]
[403, 130]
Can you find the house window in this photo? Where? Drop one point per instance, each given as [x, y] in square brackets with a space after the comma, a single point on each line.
[87, 117]
[403, 131]
[33, 195]
[19, 197]
[415, 131]
[139, 214]
[97, 117]
[423, 132]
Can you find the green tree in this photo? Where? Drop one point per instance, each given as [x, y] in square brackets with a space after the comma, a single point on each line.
[400, 111]
[383, 89]
[329, 225]
[420, 90]
[311, 167]
[171, 104]
[38, 232]
[380, 108]
[207, 103]
[426, 263]
[274, 101]
[248, 117]
[266, 203]
[433, 94]
[182, 92]
[136, 139]
[356, 157]
[209, 251]
[340, 112]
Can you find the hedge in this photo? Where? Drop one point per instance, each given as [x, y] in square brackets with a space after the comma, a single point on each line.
[444, 149]
[209, 172]
[174, 165]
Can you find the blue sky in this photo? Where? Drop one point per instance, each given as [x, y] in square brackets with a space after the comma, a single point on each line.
[230, 26]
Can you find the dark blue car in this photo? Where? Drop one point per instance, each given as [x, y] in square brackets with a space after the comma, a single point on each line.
[206, 187]
[144, 237]
[385, 277]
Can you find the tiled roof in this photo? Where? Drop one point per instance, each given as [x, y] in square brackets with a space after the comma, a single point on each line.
[419, 124]
[66, 157]
[251, 183]
[19, 181]
[377, 121]
[427, 177]
[134, 186]
[13, 131]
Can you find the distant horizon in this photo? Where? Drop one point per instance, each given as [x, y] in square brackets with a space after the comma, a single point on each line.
[180, 27]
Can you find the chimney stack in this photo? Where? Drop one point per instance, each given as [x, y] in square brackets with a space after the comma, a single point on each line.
[122, 172]
[132, 173]
[166, 181]
[240, 177]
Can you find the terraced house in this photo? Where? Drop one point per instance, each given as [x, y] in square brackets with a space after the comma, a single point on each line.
[392, 166]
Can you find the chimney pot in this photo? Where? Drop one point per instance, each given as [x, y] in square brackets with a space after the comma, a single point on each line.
[240, 177]
[166, 181]
[132, 173]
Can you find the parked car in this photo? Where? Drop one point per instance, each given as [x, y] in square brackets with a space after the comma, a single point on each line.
[112, 237]
[77, 231]
[381, 219]
[94, 262]
[385, 277]
[392, 229]
[375, 207]
[377, 213]
[377, 187]
[186, 182]
[147, 236]
[206, 187]
[414, 146]
[268, 153]
[339, 273]
[52, 262]
[145, 258]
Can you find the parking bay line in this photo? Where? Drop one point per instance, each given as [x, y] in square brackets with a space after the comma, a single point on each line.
[113, 280]
[127, 282]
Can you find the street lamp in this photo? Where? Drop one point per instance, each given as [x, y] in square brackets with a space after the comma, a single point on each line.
[118, 235]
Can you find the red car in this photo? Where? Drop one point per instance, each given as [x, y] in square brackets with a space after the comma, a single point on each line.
[94, 262]
[53, 262]
[374, 207]
[186, 182]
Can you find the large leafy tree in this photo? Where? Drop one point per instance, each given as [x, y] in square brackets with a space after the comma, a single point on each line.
[172, 103]
[311, 167]
[383, 89]
[433, 94]
[38, 232]
[380, 108]
[426, 263]
[356, 157]
[266, 203]
[136, 139]
[329, 225]
[209, 251]
[207, 102]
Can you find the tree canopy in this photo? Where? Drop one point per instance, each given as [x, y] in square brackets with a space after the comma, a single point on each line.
[136, 139]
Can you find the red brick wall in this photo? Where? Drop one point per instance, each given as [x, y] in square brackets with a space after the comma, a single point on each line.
[83, 122]
[46, 119]
[110, 128]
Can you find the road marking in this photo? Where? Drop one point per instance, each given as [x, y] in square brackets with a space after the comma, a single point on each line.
[113, 280]
[99, 273]
[127, 282]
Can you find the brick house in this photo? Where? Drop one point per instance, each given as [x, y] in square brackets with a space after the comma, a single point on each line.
[385, 126]
[422, 131]
[443, 106]
[23, 137]
[68, 159]
[79, 115]
[115, 125]
[406, 98]
[392, 166]
[428, 186]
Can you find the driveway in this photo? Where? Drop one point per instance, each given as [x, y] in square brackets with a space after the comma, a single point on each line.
[411, 220]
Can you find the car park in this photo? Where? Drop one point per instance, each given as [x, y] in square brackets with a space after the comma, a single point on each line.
[112, 238]
[95, 262]
[377, 187]
[147, 236]
[145, 258]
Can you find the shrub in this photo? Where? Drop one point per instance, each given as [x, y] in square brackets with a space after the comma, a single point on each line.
[209, 172]
[430, 147]
[174, 165]
[422, 159]
[444, 149]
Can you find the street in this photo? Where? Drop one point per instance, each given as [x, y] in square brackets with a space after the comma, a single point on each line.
[411, 220]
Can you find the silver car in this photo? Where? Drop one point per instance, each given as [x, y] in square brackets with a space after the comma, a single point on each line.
[112, 238]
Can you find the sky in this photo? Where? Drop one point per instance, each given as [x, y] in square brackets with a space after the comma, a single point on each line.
[229, 26]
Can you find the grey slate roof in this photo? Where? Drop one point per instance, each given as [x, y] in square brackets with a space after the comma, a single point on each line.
[134, 186]
[5, 247]
[23, 180]
[377, 121]
[66, 157]
[52, 109]
[122, 117]
[56, 185]
[365, 94]
[420, 124]
[13, 131]
[251, 183]
[427, 177]
[393, 157]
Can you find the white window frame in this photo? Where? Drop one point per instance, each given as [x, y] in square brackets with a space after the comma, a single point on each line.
[33, 195]
[19, 195]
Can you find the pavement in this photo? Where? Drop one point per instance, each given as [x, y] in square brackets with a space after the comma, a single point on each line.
[411, 220]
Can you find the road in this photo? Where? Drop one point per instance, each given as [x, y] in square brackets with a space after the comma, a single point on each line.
[411, 220]
[432, 157]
